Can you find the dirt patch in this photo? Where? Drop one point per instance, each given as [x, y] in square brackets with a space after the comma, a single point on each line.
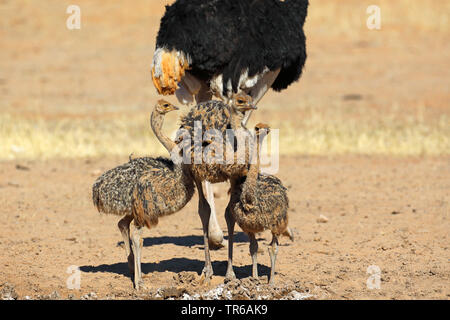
[366, 227]
[386, 212]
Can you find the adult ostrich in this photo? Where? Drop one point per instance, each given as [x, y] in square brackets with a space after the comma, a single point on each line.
[221, 47]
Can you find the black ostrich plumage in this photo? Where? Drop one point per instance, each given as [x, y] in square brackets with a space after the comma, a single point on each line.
[230, 36]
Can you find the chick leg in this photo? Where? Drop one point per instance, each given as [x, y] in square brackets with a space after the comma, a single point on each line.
[254, 254]
[204, 212]
[273, 251]
[136, 243]
[230, 224]
[124, 227]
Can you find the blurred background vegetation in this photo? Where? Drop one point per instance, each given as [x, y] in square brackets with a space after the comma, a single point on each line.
[88, 92]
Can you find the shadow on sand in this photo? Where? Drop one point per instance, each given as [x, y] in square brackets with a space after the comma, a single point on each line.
[179, 264]
[185, 241]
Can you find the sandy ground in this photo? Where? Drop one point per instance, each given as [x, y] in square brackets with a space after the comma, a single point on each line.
[385, 212]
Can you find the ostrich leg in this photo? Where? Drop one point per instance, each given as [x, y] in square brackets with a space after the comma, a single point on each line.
[273, 250]
[124, 227]
[258, 91]
[254, 252]
[230, 275]
[215, 234]
[136, 243]
[204, 212]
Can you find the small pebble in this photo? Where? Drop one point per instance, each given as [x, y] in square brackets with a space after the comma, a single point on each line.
[322, 219]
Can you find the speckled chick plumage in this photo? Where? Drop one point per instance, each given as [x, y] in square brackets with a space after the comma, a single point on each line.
[260, 207]
[112, 191]
[259, 201]
[216, 115]
[155, 180]
[159, 192]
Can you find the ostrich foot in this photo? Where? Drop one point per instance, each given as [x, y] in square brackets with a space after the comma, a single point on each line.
[206, 275]
[139, 285]
[230, 276]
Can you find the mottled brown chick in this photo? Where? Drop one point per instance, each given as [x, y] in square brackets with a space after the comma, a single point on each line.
[143, 190]
[258, 202]
[201, 151]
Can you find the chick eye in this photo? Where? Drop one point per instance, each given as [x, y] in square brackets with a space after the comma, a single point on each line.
[165, 105]
[241, 101]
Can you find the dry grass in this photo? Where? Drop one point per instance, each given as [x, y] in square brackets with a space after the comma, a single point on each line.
[40, 138]
[56, 86]
[338, 134]
[323, 131]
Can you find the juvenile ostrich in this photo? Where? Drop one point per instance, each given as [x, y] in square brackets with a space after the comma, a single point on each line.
[258, 202]
[214, 115]
[160, 191]
[222, 47]
[113, 191]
